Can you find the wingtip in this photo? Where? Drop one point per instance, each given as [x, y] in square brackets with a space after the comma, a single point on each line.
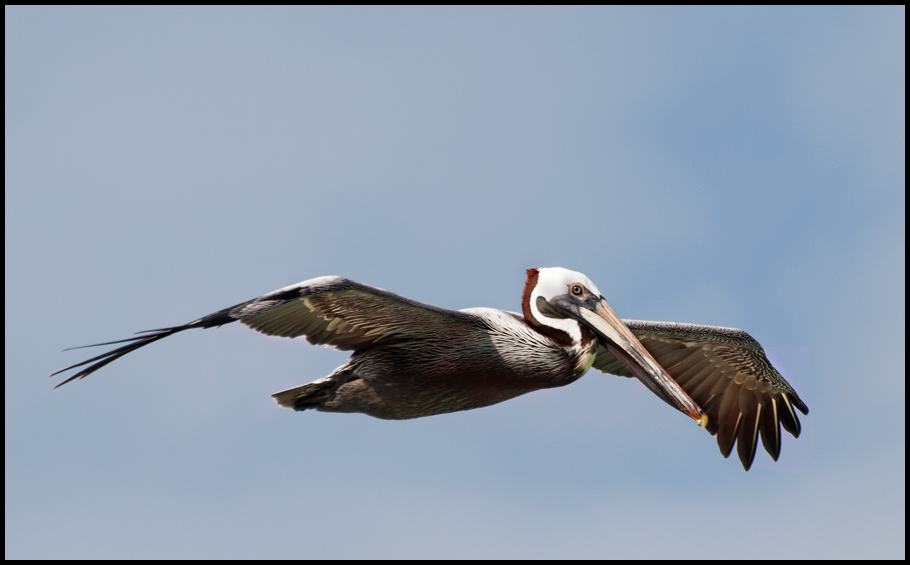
[61, 383]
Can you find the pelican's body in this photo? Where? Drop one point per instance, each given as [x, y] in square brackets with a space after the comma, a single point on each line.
[485, 357]
[411, 359]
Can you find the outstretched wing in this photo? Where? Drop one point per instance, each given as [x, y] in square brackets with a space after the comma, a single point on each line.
[327, 310]
[726, 372]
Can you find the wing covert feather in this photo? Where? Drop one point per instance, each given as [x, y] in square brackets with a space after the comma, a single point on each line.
[347, 315]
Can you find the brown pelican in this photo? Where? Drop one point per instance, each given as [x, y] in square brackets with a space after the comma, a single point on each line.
[411, 359]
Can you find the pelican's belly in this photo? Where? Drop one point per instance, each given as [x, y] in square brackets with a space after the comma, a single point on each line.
[410, 380]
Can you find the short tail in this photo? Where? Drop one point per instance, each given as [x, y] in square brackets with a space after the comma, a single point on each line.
[316, 393]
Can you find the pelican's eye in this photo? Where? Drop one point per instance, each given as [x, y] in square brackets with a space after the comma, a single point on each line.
[577, 289]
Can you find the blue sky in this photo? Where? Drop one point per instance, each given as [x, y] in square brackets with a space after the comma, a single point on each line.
[734, 167]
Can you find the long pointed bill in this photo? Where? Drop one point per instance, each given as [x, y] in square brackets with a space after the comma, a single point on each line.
[622, 343]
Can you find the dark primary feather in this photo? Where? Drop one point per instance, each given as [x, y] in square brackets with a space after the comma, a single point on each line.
[726, 372]
[327, 310]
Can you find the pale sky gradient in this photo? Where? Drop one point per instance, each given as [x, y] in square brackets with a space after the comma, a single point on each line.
[740, 167]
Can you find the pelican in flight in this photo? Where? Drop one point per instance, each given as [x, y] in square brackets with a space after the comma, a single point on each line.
[411, 359]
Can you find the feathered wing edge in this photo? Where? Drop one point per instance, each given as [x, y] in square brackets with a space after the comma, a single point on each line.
[115, 354]
[726, 372]
[133, 343]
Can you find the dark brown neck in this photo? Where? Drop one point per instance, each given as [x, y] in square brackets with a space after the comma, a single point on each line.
[557, 336]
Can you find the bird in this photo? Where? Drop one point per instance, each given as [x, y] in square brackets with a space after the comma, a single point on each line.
[412, 359]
